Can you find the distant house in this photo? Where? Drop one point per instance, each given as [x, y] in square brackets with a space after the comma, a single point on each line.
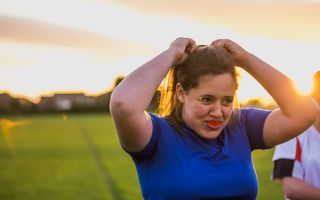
[59, 102]
[66, 102]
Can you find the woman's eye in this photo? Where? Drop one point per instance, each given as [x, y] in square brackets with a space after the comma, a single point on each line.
[227, 101]
[206, 100]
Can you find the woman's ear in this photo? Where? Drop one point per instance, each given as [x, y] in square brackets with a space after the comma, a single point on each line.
[180, 93]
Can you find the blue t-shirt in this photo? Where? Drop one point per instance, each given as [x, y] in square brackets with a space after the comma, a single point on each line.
[182, 165]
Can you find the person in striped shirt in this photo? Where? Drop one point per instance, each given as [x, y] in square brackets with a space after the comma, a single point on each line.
[297, 162]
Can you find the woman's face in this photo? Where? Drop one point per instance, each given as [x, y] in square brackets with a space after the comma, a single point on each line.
[208, 107]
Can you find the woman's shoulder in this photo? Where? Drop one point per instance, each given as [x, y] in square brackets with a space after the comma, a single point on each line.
[252, 110]
[160, 123]
[158, 119]
[249, 113]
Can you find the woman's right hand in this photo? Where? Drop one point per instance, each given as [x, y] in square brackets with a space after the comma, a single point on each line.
[182, 47]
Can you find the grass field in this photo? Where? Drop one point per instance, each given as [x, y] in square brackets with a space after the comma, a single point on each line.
[78, 157]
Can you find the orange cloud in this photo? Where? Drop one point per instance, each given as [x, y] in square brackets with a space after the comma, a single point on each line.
[276, 19]
[39, 32]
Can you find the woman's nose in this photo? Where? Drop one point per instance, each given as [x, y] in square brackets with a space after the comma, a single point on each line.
[215, 110]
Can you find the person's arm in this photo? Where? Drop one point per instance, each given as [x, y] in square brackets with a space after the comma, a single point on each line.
[296, 189]
[132, 96]
[296, 112]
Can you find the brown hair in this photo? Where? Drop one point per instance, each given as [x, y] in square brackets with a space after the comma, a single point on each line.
[204, 60]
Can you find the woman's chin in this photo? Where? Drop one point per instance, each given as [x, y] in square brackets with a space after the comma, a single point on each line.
[212, 134]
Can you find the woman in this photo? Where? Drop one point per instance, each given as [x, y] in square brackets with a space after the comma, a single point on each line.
[297, 162]
[201, 149]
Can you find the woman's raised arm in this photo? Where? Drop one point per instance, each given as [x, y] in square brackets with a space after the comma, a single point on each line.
[133, 95]
[296, 112]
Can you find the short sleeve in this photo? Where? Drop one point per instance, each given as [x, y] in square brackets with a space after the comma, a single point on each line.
[285, 150]
[254, 120]
[148, 151]
[286, 160]
[282, 168]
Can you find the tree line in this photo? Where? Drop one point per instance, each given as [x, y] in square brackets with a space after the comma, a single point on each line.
[80, 102]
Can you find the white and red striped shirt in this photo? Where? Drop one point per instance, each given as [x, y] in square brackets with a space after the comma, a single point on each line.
[299, 158]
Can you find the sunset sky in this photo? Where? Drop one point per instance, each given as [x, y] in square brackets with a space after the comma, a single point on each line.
[82, 45]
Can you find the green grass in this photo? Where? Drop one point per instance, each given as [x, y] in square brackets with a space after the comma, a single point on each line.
[79, 157]
[263, 165]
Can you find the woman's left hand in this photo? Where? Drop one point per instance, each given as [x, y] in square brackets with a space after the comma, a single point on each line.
[239, 54]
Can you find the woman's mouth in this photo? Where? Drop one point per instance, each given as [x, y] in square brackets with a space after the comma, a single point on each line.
[214, 124]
